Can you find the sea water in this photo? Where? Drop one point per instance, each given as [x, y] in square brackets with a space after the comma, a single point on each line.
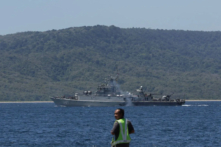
[195, 124]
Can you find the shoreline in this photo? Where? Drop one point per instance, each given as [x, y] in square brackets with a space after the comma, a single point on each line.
[26, 101]
[52, 101]
[202, 100]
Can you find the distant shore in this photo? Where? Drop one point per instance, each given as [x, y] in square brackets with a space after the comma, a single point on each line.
[202, 100]
[52, 101]
[26, 102]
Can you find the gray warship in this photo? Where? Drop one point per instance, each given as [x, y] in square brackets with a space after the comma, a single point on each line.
[109, 94]
[144, 99]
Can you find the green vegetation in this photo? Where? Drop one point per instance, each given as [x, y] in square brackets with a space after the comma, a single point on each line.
[36, 65]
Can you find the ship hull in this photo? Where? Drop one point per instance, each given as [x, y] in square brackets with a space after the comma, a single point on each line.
[111, 103]
[157, 103]
[86, 103]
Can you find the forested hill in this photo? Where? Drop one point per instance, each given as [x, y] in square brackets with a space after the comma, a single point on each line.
[36, 65]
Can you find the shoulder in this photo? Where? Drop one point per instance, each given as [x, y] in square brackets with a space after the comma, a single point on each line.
[128, 121]
[116, 123]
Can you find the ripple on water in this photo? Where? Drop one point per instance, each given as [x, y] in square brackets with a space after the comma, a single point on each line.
[194, 124]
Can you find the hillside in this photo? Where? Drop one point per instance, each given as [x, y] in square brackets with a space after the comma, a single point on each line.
[36, 65]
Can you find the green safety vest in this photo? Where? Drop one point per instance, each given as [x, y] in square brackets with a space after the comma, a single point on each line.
[123, 133]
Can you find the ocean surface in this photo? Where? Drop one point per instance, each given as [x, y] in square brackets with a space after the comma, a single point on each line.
[196, 124]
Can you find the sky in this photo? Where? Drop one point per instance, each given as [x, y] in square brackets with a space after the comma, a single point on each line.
[43, 15]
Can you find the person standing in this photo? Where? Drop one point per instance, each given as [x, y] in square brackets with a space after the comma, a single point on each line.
[121, 129]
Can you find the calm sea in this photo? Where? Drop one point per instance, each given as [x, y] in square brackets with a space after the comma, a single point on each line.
[196, 124]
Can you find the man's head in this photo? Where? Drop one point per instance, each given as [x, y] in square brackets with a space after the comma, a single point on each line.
[119, 113]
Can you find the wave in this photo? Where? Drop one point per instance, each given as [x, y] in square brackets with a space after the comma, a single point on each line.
[195, 105]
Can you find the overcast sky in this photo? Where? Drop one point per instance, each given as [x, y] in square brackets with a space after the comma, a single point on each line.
[42, 15]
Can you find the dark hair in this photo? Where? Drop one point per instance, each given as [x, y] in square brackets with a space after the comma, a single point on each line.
[121, 112]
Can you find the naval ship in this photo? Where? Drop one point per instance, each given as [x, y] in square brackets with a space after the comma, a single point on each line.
[144, 99]
[109, 94]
